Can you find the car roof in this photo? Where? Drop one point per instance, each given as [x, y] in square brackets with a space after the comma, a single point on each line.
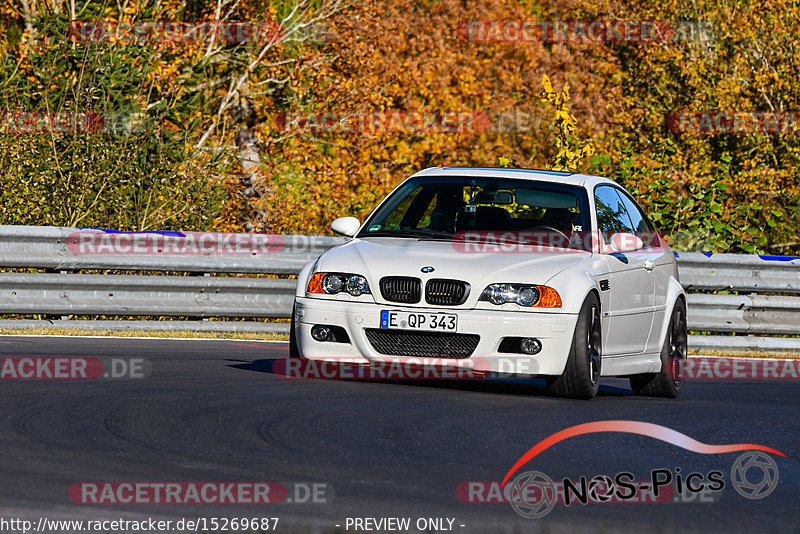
[583, 180]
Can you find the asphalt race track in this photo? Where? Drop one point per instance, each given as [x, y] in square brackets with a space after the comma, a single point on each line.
[214, 410]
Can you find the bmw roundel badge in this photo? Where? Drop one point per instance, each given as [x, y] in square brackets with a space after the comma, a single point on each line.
[427, 269]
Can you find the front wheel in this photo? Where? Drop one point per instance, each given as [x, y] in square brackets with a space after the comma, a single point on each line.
[669, 381]
[581, 377]
[294, 350]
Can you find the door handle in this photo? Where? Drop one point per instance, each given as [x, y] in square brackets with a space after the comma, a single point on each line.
[649, 265]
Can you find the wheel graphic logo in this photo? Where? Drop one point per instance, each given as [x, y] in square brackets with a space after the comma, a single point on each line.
[757, 486]
[532, 494]
[601, 488]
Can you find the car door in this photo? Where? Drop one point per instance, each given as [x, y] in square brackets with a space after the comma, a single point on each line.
[628, 306]
[657, 257]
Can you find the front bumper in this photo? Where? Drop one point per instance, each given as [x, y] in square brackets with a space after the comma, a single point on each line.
[554, 330]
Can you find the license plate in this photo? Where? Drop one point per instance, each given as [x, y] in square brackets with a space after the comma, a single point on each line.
[438, 322]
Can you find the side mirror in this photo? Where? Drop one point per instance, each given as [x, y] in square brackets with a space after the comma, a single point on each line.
[346, 226]
[625, 242]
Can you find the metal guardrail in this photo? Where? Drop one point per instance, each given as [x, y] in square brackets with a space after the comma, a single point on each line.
[61, 249]
[99, 294]
[739, 272]
[69, 249]
[747, 312]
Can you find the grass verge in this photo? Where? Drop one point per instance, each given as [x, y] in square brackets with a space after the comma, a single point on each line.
[785, 354]
[142, 333]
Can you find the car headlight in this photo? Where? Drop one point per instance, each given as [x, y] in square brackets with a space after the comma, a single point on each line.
[524, 295]
[332, 283]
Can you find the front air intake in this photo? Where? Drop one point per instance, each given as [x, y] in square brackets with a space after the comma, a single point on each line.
[441, 292]
[404, 289]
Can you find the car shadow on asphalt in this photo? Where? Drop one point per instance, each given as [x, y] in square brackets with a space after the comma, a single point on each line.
[488, 384]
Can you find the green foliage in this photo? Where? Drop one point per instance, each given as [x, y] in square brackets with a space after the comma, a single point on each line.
[124, 163]
[715, 191]
[129, 182]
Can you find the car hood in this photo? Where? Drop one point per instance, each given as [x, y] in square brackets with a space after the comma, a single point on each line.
[378, 257]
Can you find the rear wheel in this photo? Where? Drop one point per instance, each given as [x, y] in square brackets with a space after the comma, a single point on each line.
[581, 377]
[669, 381]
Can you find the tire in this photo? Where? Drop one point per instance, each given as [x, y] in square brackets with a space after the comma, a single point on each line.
[294, 350]
[581, 377]
[668, 382]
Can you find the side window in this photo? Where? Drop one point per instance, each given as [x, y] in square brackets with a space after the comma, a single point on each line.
[642, 227]
[612, 217]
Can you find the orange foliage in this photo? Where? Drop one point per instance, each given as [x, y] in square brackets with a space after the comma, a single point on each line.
[387, 56]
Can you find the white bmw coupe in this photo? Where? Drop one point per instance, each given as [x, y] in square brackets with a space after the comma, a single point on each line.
[533, 273]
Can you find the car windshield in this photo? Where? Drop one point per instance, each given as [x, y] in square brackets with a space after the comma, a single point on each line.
[447, 207]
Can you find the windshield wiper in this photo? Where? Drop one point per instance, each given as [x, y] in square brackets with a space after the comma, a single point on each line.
[418, 234]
